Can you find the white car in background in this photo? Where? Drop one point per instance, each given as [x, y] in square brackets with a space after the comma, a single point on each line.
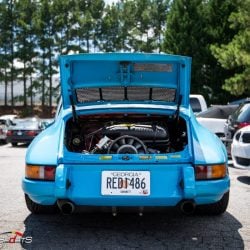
[5, 122]
[240, 148]
[214, 118]
[198, 103]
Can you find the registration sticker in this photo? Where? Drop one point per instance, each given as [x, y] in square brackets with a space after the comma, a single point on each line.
[125, 183]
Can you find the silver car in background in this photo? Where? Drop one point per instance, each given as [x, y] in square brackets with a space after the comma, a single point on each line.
[5, 122]
[24, 130]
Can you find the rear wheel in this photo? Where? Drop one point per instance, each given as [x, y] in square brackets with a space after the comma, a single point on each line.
[215, 208]
[39, 209]
[14, 144]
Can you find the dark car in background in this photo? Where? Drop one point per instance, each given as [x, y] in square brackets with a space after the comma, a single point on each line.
[240, 101]
[240, 118]
[24, 130]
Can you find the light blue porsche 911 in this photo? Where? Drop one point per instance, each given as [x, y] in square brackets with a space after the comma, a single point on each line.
[125, 137]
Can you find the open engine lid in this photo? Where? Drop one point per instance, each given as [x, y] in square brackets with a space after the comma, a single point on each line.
[88, 79]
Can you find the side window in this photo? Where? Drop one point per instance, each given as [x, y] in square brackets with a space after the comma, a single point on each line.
[42, 125]
[195, 104]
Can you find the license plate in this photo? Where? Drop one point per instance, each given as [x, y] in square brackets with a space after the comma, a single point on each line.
[19, 133]
[125, 183]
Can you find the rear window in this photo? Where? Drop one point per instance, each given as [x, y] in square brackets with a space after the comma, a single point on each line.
[242, 114]
[218, 112]
[2, 122]
[195, 104]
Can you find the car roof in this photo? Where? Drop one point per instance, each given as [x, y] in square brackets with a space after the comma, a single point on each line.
[218, 111]
[240, 101]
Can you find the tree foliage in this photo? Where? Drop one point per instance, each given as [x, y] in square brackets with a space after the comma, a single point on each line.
[192, 26]
[235, 55]
[33, 33]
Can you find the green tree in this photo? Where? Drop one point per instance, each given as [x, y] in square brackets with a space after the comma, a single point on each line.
[88, 28]
[192, 26]
[141, 32]
[46, 30]
[235, 55]
[218, 32]
[110, 34]
[4, 48]
[185, 35]
[64, 20]
[8, 46]
[26, 43]
[159, 10]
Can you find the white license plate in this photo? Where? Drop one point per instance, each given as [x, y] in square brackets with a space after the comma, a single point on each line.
[125, 183]
[19, 133]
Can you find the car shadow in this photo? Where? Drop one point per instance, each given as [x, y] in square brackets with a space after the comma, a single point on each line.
[244, 179]
[20, 145]
[129, 231]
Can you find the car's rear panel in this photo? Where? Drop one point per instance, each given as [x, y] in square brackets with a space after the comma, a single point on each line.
[169, 185]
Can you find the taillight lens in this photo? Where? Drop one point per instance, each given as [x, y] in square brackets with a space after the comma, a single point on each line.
[31, 133]
[206, 172]
[40, 172]
[243, 124]
[9, 133]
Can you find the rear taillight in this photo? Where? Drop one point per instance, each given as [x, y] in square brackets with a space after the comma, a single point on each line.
[40, 172]
[9, 133]
[242, 125]
[206, 172]
[31, 133]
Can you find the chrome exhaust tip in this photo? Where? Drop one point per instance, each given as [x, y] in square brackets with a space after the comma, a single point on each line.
[66, 207]
[187, 207]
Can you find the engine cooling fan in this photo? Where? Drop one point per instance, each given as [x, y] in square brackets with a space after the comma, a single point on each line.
[127, 144]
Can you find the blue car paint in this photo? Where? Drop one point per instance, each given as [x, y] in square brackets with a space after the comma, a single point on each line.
[84, 171]
[95, 70]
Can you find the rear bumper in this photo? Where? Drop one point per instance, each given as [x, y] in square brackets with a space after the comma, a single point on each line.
[20, 139]
[2, 138]
[169, 185]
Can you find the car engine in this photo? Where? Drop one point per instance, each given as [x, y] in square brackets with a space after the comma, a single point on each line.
[120, 134]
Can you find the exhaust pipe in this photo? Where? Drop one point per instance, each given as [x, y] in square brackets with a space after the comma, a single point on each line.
[187, 207]
[66, 207]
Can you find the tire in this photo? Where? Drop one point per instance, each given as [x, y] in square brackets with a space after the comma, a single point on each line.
[14, 144]
[35, 208]
[215, 208]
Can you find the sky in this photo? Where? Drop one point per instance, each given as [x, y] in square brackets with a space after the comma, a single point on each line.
[110, 1]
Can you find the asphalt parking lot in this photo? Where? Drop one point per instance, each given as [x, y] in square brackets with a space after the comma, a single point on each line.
[169, 230]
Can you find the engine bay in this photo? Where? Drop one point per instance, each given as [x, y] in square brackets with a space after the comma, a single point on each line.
[126, 134]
